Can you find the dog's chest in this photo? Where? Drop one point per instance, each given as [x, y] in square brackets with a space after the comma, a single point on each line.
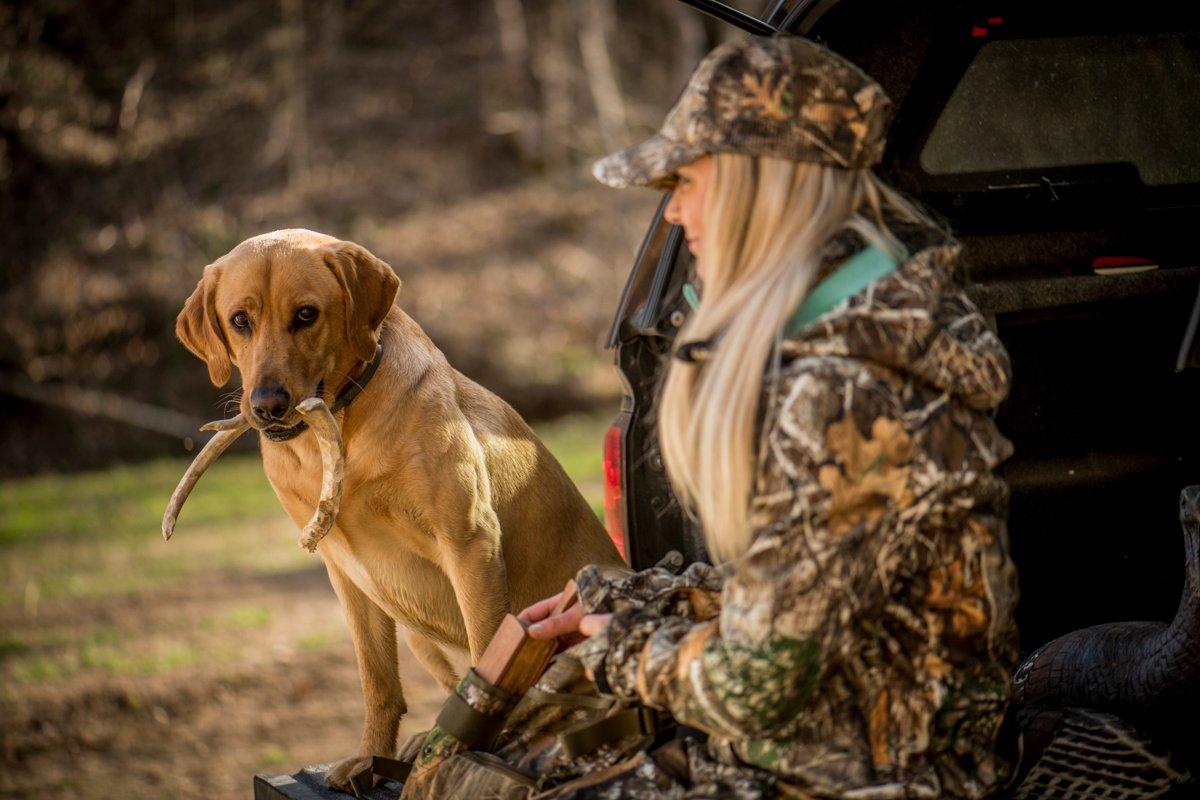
[393, 563]
[409, 588]
[294, 472]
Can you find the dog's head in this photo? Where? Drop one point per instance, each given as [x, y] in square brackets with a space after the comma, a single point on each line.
[295, 311]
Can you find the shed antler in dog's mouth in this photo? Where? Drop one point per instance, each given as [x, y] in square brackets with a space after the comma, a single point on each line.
[333, 468]
[227, 430]
[324, 426]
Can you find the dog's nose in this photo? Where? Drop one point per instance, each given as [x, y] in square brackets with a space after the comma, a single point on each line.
[270, 404]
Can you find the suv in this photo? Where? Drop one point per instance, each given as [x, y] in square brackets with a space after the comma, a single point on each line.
[1062, 145]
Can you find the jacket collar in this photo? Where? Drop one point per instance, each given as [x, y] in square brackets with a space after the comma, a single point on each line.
[849, 278]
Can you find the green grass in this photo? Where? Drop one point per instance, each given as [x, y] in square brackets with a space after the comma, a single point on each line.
[55, 655]
[97, 534]
[273, 755]
[138, 656]
[577, 442]
[77, 539]
[128, 501]
[12, 645]
[316, 641]
[247, 617]
[38, 669]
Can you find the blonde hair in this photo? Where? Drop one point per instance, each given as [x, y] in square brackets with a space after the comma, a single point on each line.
[766, 223]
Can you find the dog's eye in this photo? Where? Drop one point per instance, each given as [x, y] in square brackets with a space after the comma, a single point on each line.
[240, 320]
[306, 315]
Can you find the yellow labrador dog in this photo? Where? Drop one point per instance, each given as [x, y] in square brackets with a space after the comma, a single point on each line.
[453, 511]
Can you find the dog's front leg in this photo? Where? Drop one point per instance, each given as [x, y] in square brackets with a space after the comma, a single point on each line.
[432, 658]
[467, 531]
[474, 562]
[374, 635]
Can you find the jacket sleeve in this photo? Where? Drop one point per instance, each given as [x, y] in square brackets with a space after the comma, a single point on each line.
[835, 470]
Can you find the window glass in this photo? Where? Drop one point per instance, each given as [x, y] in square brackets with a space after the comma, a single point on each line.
[1057, 102]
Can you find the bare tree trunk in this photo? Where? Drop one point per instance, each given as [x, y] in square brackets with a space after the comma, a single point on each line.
[289, 129]
[692, 42]
[515, 113]
[131, 98]
[552, 67]
[601, 74]
[333, 28]
[594, 29]
[185, 23]
[99, 403]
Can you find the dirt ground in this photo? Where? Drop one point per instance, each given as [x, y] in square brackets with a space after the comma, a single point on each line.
[136, 668]
[280, 699]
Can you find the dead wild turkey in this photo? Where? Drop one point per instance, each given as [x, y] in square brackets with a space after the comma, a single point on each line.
[1101, 710]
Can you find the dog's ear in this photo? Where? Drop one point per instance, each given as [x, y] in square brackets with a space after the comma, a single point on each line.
[199, 328]
[369, 288]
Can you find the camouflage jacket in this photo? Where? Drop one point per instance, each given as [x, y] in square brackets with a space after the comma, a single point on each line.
[863, 646]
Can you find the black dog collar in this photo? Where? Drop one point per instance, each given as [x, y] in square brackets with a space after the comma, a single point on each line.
[355, 387]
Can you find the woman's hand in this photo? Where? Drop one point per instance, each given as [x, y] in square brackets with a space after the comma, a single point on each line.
[572, 626]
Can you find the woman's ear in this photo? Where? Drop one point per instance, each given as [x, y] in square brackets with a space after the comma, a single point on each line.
[199, 328]
[369, 288]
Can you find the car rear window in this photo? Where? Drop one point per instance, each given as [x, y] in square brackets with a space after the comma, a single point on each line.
[1058, 102]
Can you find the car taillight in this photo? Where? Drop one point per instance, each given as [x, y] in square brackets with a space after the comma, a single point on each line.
[614, 503]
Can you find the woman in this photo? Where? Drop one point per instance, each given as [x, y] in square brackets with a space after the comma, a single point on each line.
[827, 419]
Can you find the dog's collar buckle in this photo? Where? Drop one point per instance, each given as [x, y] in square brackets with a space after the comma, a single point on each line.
[355, 387]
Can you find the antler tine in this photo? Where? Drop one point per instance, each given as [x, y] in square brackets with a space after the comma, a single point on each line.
[228, 430]
[329, 438]
[226, 424]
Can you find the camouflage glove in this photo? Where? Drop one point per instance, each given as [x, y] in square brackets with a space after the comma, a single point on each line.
[641, 603]
[612, 654]
[694, 593]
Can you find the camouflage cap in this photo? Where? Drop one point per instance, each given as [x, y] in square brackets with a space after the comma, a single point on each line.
[782, 96]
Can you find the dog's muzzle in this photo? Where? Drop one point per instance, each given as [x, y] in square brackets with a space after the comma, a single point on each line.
[277, 434]
[285, 434]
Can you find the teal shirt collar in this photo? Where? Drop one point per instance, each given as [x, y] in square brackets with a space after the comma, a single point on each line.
[855, 274]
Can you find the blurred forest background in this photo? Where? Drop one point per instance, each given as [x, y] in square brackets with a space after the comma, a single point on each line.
[140, 140]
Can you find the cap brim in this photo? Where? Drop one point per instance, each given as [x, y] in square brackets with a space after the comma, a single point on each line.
[648, 163]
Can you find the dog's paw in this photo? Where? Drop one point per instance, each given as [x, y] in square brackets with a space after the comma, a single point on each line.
[343, 772]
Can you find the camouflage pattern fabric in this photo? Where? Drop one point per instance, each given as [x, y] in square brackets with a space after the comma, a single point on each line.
[694, 594]
[528, 756]
[561, 699]
[664, 774]
[782, 96]
[862, 647]
[440, 746]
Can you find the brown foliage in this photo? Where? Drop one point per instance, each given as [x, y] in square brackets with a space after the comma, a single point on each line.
[141, 140]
